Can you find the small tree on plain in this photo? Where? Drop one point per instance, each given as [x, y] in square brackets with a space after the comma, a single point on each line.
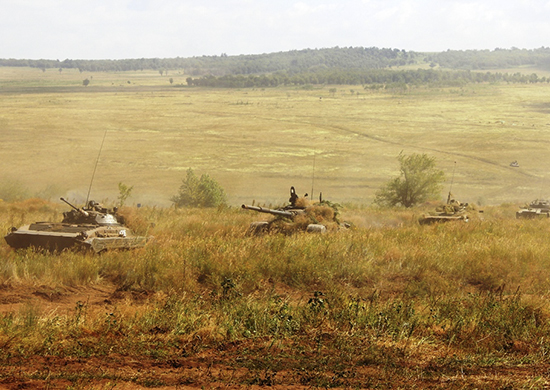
[124, 192]
[199, 192]
[418, 182]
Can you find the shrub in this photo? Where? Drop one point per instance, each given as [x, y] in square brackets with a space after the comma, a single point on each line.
[199, 192]
[124, 193]
[418, 182]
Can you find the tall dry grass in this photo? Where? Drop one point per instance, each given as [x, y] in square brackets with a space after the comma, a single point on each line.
[195, 249]
[445, 295]
[207, 246]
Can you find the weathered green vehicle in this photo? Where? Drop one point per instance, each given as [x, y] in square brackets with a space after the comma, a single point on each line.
[453, 210]
[539, 208]
[299, 215]
[92, 227]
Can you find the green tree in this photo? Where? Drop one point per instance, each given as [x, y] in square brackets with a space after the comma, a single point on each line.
[86, 82]
[418, 182]
[199, 192]
[124, 192]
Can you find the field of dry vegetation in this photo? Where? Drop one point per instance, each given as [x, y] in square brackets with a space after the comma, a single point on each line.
[386, 304]
[257, 143]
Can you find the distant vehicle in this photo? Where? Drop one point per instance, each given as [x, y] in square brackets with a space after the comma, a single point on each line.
[92, 227]
[299, 215]
[539, 208]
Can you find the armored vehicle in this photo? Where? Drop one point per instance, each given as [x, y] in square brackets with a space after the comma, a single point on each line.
[299, 215]
[539, 208]
[92, 227]
[453, 210]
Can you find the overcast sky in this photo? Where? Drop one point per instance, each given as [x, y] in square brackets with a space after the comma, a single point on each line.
[117, 29]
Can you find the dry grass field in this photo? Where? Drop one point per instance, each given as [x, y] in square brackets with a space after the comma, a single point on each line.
[388, 303]
[397, 305]
[259, 142]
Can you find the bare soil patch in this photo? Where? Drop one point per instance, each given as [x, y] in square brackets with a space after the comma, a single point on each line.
[249, 363]
[62, 300]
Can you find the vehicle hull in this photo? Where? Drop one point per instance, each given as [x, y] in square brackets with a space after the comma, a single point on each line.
[429, 219]
[532, 214]
[56, 237]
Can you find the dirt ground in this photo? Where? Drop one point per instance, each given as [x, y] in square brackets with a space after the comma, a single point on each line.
[123, 372]
[216, 368]
[12, 299]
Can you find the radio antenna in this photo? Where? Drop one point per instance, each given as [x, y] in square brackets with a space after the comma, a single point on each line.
[95, 167]
[313, 176]
[451, 187]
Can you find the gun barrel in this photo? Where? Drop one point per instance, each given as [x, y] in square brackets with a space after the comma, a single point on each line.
[281, 213]
[74, 207]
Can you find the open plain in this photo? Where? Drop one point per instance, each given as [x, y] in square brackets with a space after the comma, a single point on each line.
[259, 142]
[388, 303]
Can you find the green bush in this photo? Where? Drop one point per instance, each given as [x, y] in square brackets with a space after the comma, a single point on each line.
[199, 192]
[419, 181]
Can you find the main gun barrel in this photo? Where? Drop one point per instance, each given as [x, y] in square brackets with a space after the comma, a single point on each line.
[281, 213]
[85, 213]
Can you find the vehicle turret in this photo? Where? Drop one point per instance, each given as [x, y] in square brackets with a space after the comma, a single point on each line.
[299, 215]
[94, 214]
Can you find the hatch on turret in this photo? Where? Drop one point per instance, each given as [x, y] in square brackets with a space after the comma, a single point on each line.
[106, 219]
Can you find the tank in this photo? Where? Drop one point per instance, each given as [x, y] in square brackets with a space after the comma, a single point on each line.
[92, 227]
[453, 210]
[539, 208]
[299, 215]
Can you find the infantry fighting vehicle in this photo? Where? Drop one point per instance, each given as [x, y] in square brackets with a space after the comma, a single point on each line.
[92, 227]
[538, 208]
[453, 210]
[299, 215]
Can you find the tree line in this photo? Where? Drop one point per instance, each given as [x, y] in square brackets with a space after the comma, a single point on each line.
[491, 59]
[377, 78]
[371, 67]
[307, 60]
[293, 61]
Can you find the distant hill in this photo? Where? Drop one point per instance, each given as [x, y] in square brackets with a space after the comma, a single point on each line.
[307, 59]
[491, 59]
[346, 65]
[290, 61]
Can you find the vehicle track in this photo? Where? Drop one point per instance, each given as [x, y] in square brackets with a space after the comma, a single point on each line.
[444, 152]
[345, 130]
